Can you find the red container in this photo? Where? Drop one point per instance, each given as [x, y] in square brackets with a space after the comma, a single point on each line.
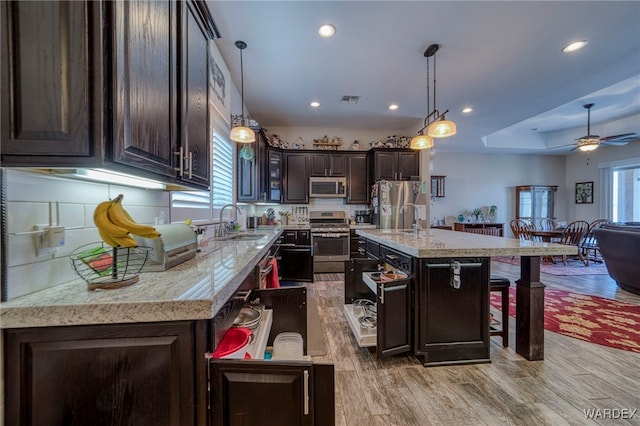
[234, 343]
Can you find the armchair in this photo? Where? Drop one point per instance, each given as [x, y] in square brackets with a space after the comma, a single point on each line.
[619, 245]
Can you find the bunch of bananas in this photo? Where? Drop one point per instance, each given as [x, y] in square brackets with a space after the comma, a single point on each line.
[115, 225]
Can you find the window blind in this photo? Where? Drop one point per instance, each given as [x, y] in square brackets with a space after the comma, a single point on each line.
[222, 173]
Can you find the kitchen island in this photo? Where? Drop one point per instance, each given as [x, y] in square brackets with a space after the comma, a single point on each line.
[437, 253]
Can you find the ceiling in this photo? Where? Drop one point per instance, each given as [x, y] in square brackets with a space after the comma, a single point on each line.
[502, 58]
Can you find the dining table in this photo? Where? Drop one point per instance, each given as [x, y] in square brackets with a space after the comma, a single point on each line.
[547, 236]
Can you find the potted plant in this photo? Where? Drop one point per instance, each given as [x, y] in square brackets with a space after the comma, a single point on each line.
[477, 214]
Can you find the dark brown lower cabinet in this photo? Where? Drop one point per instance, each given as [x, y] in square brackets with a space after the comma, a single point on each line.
[453, 318]
[129, 374]
[272, 393]
[393, 302]
[158, 374]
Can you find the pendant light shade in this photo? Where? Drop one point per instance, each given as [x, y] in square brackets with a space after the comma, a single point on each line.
[442, 128]
[241, 133]
[588, 143]
[421, 142]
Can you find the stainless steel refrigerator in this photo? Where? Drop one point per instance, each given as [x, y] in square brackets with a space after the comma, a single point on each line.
[387, 200]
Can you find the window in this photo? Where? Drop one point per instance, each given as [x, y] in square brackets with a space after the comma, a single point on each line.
[222, 173]
[621, 189]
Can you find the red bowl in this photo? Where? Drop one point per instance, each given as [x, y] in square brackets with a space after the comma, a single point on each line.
[234, 341]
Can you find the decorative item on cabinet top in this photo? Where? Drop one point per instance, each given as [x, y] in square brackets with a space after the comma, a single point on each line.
[391, 142]
[325, 143]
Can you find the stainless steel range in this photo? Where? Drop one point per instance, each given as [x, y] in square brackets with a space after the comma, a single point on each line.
[330, 240]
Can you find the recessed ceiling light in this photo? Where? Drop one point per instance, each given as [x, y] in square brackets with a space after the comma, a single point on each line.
[393, 107]
[466, 110]
[315, 104]
[573, 46]
[326, 30]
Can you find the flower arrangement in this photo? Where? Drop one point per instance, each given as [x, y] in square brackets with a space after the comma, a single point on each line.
[477, 213]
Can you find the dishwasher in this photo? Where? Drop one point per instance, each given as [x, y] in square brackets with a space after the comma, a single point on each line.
[378, 300]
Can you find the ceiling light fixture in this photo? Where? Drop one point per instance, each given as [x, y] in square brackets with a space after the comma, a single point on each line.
[440, 127]
[466, 110]
[241, 133]
[326, 30]
[314, 104]
[393, 107]
[589, 142]
[573, 46]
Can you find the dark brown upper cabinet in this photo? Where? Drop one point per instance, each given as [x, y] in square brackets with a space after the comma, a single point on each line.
[357, 186]
[323, 164]
[296, 180]
[393, 164]
[160, 118]
[118, 85]
[51, 83]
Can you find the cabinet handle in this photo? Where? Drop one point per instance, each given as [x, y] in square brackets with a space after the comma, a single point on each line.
[180, 168]
[381, 294]
[306, 392]
[400, 175]
[330, 172]
[190, 164]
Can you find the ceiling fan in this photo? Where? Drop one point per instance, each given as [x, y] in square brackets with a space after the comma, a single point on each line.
[590, 142]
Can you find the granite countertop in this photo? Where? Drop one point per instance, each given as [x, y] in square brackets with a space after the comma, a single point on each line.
[443, 243]
[195, 289]
[362, 226]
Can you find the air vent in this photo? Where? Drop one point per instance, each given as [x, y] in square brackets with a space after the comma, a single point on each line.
[349, 99]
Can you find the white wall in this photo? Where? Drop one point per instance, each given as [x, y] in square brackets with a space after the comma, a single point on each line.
[482, 180]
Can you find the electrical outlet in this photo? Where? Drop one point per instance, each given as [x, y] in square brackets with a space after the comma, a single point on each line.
[53, 237]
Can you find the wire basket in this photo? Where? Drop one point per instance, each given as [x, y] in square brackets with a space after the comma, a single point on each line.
[102, 266]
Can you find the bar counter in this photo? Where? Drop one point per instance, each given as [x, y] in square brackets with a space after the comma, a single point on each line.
[437, 243]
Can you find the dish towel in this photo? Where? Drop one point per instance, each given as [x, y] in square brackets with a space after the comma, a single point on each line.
[272, 278]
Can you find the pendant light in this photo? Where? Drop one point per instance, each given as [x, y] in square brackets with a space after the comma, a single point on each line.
[441, 127]
[422, 141]
[589, 142]
[241, 133]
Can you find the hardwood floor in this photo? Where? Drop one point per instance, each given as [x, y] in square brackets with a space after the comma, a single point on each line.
[575, 375]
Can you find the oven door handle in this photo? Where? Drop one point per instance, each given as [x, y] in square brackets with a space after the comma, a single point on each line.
[330, 235]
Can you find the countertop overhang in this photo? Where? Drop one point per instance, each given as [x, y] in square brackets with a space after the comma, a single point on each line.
[440, 243]
[193, 290]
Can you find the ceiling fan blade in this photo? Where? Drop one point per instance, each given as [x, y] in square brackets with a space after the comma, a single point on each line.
[619, 140]
[562, 147]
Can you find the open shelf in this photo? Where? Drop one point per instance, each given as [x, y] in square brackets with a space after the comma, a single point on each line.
[260, 335]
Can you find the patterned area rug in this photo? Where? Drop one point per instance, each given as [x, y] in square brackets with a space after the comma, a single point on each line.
[593, 319]
[574, 266]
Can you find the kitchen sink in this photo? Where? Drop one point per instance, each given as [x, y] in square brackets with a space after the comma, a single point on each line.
[243, 237]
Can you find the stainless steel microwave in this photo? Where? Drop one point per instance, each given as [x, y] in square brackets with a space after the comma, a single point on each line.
[327, 187]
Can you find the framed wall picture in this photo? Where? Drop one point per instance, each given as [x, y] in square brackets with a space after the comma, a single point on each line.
[584, 193]
[219, 83]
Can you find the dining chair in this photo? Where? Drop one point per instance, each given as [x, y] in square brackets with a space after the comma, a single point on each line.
[590, 242]
[547, 224]
[521, 229]
[572, 235]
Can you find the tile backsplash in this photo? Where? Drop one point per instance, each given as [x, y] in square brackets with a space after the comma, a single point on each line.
[39, 199]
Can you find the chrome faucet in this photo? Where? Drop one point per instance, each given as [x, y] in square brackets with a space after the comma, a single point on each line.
[224, 230]
[416, 220]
